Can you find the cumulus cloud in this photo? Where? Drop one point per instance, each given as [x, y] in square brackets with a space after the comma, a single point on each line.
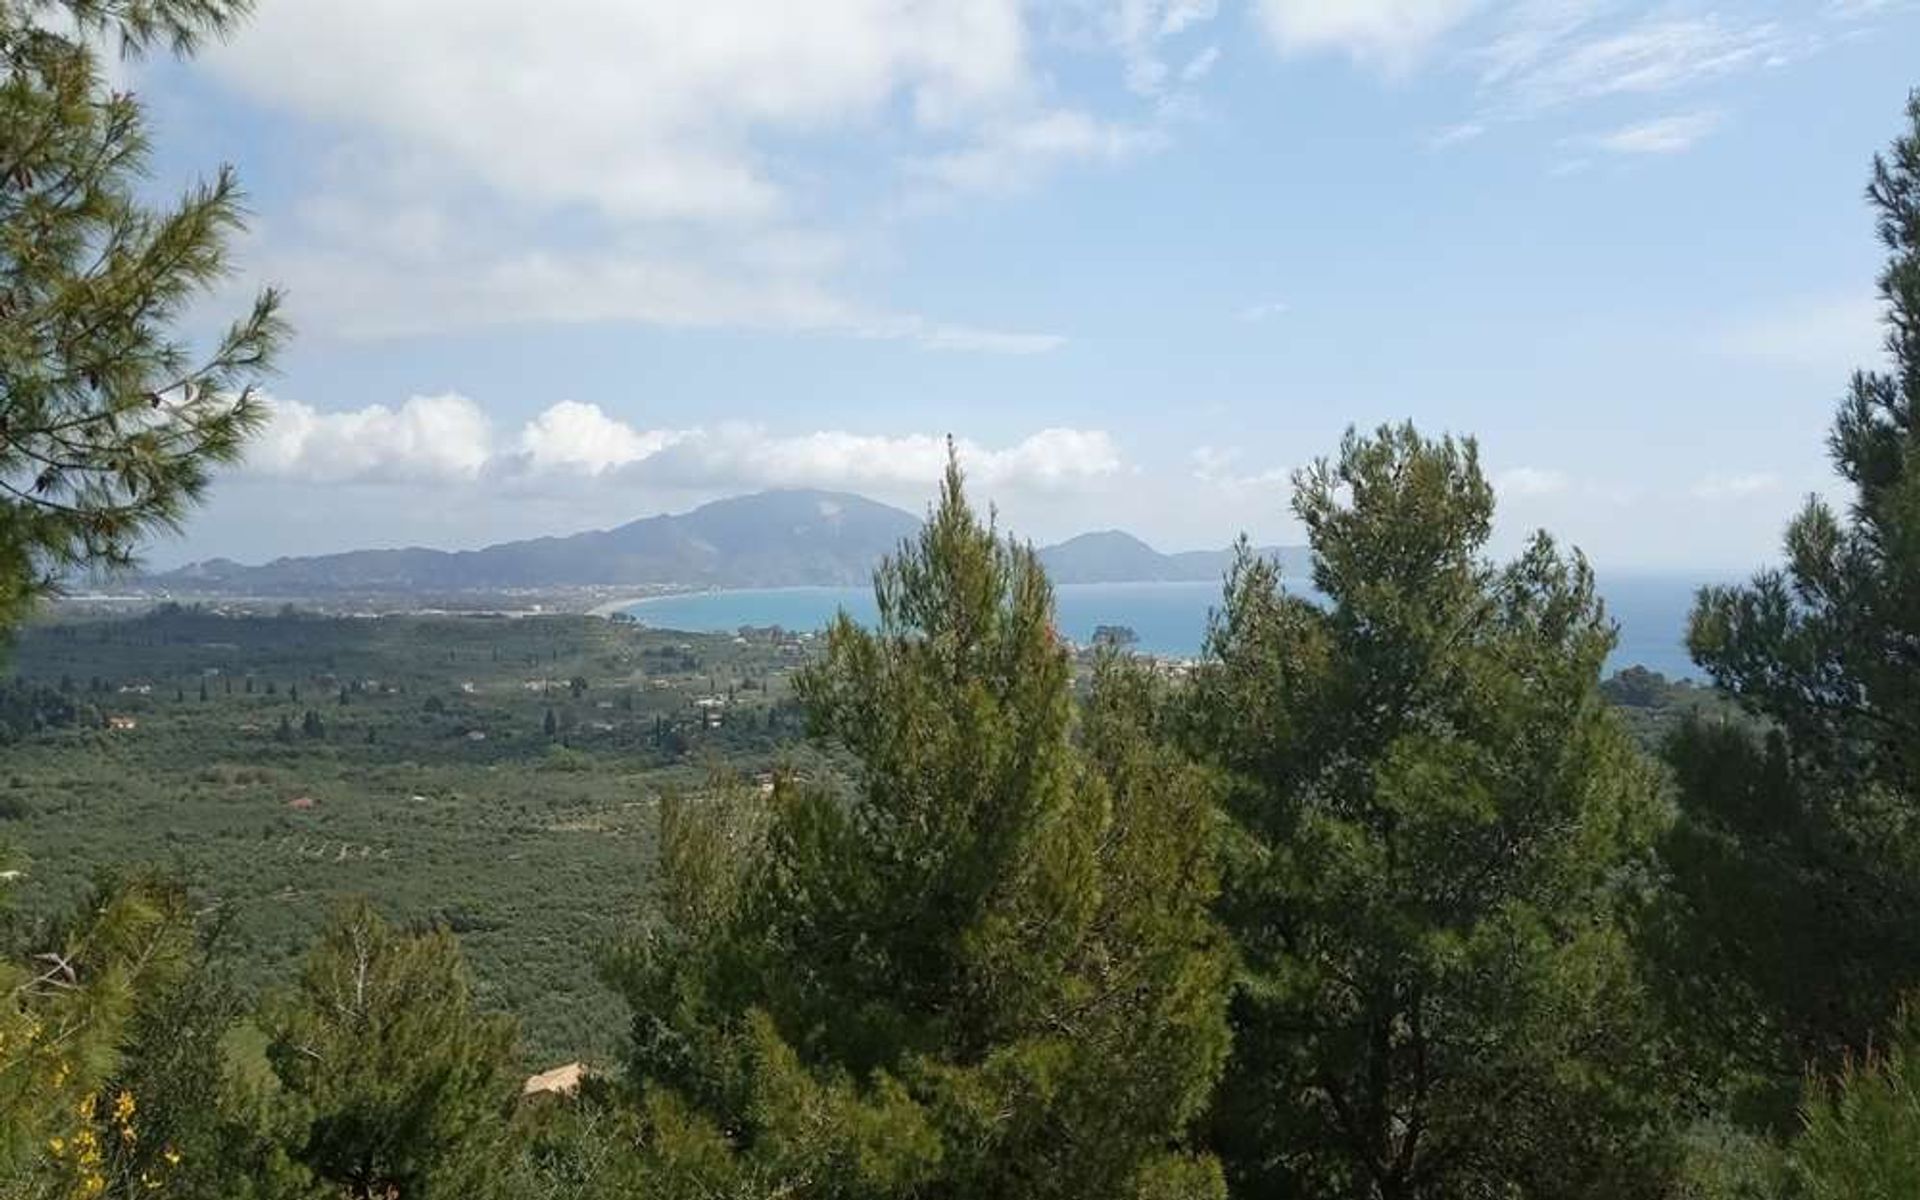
[449, 439]
[436, 438]
[639, 110]
[1663, 135]
[571, 435]
[479, 163]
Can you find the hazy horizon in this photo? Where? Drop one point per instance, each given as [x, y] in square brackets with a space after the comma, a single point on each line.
[1143, 258]
[156, 564]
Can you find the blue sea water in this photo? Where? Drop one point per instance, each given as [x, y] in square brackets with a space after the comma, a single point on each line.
[1170, 618]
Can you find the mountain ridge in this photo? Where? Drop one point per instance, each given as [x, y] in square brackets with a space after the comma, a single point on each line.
[780, 538]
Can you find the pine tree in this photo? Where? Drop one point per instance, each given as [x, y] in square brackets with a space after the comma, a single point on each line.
[108, 423]
[982, 966]
[1861, 1135]
[1796, 863]
[1433, 816]
[386, 1079]
[68, 1014]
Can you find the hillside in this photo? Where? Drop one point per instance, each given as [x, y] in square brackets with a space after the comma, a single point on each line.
[1115, 557]
[768, 539]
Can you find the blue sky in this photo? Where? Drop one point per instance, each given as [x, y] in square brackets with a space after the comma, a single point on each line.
[557, 266]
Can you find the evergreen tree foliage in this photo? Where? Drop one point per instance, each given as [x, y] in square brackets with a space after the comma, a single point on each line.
[379, 1075]
[979, 966]
[109, 420]
[1435, 821]
[1796, 863]
[1861, 1139]
[67, 1012]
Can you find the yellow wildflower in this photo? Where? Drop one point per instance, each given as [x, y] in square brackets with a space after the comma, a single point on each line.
[172, 1156]
[84, 1109]
[58, 1145]
[123, 1106]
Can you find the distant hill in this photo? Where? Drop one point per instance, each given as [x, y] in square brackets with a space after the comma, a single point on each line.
[1116, 557]
[769, 539]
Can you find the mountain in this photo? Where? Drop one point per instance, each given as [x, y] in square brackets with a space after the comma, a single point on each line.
[1116, 557]
[769, 539]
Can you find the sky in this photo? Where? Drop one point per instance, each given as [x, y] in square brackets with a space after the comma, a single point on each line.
[562, 265]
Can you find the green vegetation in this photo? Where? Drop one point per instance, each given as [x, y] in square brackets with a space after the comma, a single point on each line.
[979, 963]
[1438, 830]
[1796, 857]
[1385, 900]
[111, 421]
[285, 764]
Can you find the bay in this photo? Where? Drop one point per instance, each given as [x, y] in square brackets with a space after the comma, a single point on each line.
[1170, 618]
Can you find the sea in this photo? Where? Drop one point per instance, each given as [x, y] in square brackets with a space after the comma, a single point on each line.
[1169, 618]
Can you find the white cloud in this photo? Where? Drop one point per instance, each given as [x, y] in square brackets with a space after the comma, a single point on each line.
[1200, 65]
[439, 438]
[1834, 333]
[1389, 33]
[639, 110]
[1663, 135]
[1255, 313]
[449, 439]
[1532, 57]
[769, 283]
[1861, 10]
[1010, 156]
[1553, 56]
[1530, 481]
[1216, 468]
[483, 162]
[1140, 31]
[1456, 134]
[1734, 487]
[580, 436]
